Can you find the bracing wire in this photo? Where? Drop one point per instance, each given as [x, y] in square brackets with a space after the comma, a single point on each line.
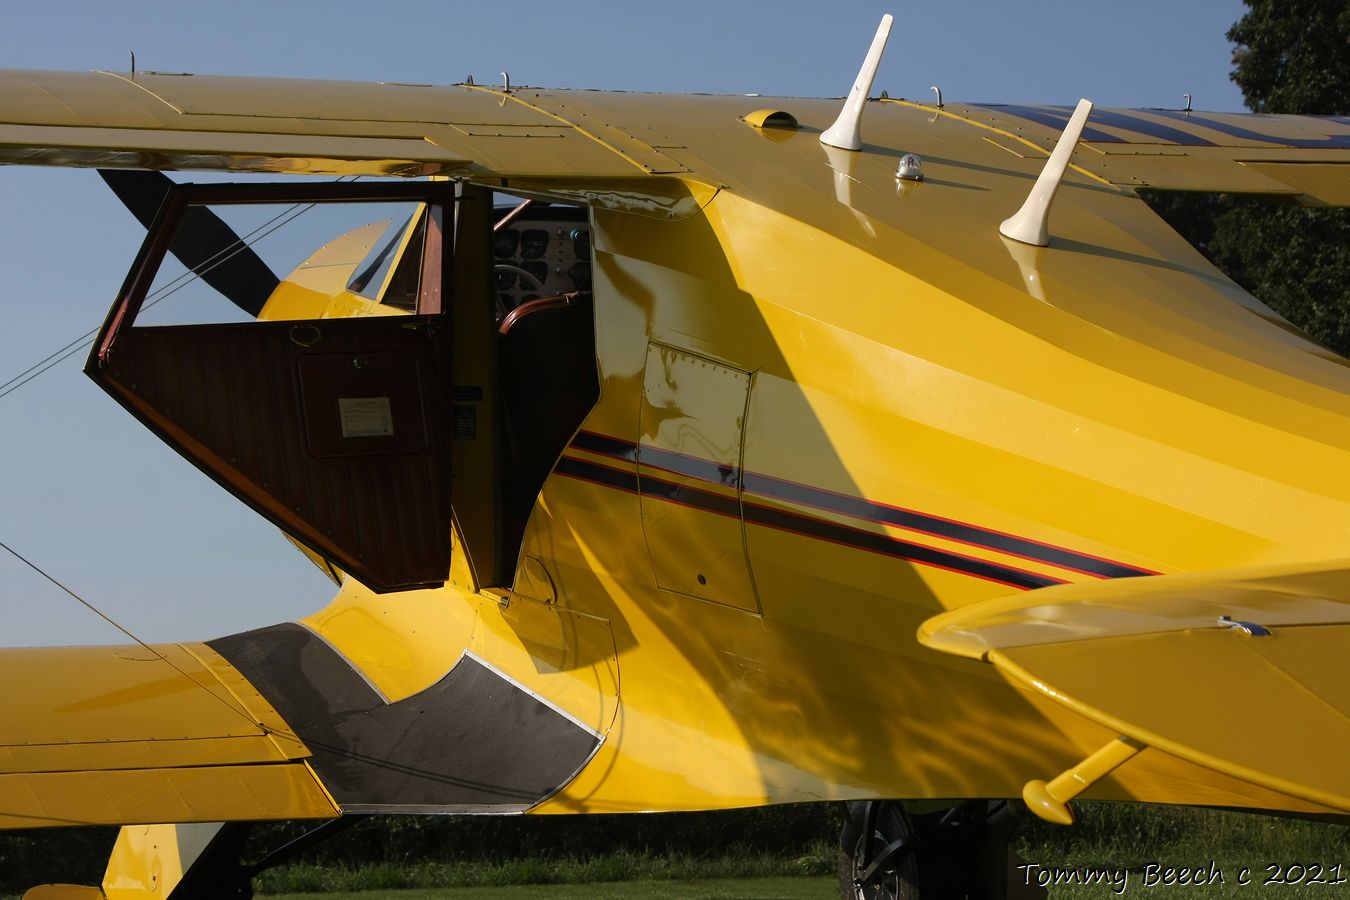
[114, 623]
[164, 293]
[281, 219]
[221, 256]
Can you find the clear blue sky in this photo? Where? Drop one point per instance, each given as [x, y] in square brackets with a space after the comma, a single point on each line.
[88, 494]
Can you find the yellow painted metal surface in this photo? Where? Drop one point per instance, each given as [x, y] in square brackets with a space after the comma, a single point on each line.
[121, 734]
[1050, 800]
[404, 643]
[1326, 183]
[1179, 662]
[1273, 596]
[770, 118]
[63, 892]
[932, 419]
[317, 288]
[692, 422]
[151, 860]
[1213, 696]
[144, 862]
[335, 128]
[863, 411]
[183, 794]
[127, 708]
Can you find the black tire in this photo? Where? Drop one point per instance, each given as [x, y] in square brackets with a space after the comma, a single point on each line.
[900, 880]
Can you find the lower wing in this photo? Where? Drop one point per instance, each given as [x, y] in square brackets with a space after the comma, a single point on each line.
[1243, 672]
[167, 733]
[268, 724]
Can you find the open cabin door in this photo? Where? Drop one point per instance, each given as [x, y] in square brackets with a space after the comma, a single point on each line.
[334, 429]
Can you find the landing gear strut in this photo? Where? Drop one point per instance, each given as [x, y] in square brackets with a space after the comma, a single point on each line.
[889, 853]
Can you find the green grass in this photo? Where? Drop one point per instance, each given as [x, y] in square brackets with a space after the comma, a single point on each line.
[780, 888]
[622, 866]
[1119, 836]
[418, 860]
[1132, 837]
[1145, 882]
[1134, 834]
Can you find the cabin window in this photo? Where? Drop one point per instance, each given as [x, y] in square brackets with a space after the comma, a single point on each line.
[389, 274]
[352, 360]
[237, 340]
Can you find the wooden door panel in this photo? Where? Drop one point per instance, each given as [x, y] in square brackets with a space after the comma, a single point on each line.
[334, 430]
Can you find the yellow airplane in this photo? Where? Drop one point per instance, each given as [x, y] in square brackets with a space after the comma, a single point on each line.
[697, 452]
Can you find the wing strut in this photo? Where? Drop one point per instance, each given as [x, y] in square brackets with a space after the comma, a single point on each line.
[1051, 801]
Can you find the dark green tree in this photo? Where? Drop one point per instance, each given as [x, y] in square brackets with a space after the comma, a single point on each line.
[1290, 56]
[1293, 56]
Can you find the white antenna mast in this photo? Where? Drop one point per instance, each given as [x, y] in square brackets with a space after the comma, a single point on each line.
[846, 132]
[1030, 223]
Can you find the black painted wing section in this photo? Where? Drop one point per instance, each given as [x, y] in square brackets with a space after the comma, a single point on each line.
[472, 742]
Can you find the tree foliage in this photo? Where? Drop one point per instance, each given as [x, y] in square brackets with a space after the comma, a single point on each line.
[1291, 56]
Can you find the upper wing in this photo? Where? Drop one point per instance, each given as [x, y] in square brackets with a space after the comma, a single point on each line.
[171, 733]
[1243, 671]
[159, 121]
[156, 121]
[1303, 158]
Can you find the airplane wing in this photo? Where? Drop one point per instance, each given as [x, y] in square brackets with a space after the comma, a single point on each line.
[178, 121]
[165, 733]
[1257, 654]
[272, 724]
[187, 122]
[160, 121]
[1301, 158]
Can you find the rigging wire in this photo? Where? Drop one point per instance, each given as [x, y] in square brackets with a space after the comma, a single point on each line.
[114, 623]
[221, 256]
[281, 219]
[164, 293]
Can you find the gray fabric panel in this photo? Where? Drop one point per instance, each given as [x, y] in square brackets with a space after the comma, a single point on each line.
[472, 739]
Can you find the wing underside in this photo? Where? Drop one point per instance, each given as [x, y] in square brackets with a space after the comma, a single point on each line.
[1241, 672]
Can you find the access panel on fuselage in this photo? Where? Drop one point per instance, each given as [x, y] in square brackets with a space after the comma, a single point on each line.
[689, 474]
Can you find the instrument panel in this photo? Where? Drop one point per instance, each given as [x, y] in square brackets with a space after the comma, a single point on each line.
[542, 251]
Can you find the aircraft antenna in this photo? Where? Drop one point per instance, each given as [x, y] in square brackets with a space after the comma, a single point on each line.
[133, 64]
[846, 132]
[1030, 223]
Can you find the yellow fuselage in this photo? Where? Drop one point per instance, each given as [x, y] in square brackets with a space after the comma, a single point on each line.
[833, 405]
